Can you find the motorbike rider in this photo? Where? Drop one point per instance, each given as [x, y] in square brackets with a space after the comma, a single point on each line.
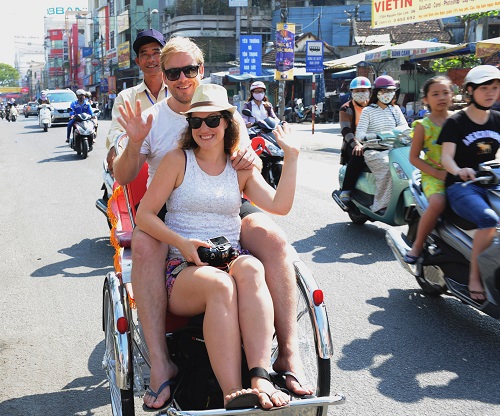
[151, 90]
[378, 116]
[258, 104]
[351, 153]
[43, 99]
[81, 105]
[10, 104]
[470, 137]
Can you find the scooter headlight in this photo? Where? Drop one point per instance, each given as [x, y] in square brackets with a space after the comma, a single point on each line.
[399, 171]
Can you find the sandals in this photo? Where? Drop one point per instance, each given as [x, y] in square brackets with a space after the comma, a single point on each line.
[243, 401]
[409, 259]
[155, 394]
[262, 373]
[279, 378]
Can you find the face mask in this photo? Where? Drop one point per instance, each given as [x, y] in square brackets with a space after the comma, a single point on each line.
[259, 96]
[385, 97]
[360, 97]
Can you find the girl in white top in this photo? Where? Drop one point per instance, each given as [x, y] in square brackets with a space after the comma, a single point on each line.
[202, 187]
[380, 115]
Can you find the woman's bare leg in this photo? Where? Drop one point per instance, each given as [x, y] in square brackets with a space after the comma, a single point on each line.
[256, 317]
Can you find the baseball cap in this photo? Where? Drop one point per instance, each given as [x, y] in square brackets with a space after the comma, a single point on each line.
[148, 36]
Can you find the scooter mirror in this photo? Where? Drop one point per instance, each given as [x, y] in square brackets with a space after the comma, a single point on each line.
[247, 112]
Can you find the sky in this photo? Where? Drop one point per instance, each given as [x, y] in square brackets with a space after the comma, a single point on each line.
[26, 18]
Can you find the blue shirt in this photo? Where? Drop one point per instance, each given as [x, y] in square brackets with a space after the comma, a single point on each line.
[78, 108]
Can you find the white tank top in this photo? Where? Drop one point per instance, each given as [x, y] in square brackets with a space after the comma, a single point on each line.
[205, 206]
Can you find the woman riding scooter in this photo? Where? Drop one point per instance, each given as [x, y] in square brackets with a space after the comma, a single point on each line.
[471, 137]
[379, 116]
[258, 104]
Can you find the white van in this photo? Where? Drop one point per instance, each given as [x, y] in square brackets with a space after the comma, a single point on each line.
[61, 101]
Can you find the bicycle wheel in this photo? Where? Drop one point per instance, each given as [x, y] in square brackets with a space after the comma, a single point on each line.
[122, 401]
[317, 370]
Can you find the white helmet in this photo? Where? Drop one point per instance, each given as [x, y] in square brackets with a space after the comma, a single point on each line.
[80, 92]
[257, 84]
[481, 74]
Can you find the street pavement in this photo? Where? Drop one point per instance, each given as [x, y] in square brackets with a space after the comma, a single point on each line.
[326, 136]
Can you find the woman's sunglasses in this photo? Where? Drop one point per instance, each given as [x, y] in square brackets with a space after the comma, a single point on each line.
[190, 71]
[210, 121]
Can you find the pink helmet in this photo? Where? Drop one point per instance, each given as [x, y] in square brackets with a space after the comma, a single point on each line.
[385, 81]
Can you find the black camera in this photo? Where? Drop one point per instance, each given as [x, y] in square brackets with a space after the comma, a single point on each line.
[220, 254]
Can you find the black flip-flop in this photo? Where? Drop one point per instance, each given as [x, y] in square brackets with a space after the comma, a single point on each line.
[155, 394]
[279, 378]
[243, 401]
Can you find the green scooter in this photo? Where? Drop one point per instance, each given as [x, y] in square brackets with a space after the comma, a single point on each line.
[401, 206]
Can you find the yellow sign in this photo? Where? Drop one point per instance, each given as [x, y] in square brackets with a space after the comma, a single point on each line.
[124, 55]
[399, 12]
[10, 89]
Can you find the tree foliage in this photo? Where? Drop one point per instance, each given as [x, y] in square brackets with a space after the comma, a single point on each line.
[8, 76]
[465, 61]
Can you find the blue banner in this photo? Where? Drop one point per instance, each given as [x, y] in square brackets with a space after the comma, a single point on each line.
[86, 52]
[251, 54]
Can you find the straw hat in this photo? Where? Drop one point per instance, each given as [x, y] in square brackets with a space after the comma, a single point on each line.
[208, 98]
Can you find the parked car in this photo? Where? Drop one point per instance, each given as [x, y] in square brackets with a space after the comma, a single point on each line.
[60, 100]
[31, 109]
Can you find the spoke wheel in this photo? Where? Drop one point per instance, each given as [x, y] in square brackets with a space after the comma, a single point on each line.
[317, 370]
[122, 401]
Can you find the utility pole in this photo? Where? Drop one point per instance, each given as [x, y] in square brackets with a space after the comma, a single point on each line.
[281, 82]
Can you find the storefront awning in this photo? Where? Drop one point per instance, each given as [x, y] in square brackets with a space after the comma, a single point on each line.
[267, 75]
[487, 47]
[347, 74]
[462, 49]
[405, 50]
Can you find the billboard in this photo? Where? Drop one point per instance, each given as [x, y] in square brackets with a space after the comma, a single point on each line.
[285, 45]
[251, 54]
[124, 55]
[399, 12]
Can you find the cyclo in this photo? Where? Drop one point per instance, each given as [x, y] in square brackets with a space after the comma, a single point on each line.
[126, 358]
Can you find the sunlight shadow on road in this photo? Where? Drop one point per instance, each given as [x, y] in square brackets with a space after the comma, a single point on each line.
[80, 396]
[428, 348]
[346, 243]
[88, 258]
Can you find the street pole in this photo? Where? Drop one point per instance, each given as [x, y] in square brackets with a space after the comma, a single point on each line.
[313, 103]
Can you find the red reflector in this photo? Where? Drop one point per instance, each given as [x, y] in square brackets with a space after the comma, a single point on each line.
[318, 297]
[122, 325]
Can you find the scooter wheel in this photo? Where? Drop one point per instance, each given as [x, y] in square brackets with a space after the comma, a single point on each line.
[356, 217]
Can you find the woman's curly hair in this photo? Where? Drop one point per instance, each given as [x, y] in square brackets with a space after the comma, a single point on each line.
[231, 135]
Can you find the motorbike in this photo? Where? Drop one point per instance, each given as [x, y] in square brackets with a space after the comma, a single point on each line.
[302, 113]
[2, 113]
[11, 113]
[443, 267]
[45, 116]
[401, 205]
[267, 148]
[83, 135]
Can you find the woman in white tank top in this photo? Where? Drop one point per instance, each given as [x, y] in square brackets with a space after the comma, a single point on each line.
[203, 194]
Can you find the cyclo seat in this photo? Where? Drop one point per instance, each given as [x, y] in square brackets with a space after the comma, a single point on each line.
[123, 206]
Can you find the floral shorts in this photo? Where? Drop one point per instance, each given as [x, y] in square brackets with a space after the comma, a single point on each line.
[176, 265]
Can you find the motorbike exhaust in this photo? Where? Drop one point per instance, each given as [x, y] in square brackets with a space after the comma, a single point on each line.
[400, 248]
[102, 206]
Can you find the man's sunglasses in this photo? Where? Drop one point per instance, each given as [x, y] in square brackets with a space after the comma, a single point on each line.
[210, 121]
[190, 71]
